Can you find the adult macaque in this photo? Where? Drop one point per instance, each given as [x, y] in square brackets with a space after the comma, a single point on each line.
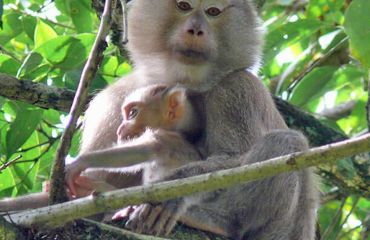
[206, 45]
[157, 122]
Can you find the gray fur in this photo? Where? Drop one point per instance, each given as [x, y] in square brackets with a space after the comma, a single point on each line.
[242, 126]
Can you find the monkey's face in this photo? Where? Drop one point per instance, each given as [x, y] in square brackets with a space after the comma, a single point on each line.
[142, 109]
[193, 33]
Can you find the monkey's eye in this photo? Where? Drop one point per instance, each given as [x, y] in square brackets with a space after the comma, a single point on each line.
[213, 11]
[184, 6]
[132, 113]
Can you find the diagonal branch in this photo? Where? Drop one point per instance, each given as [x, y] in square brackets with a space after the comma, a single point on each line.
[57, 193]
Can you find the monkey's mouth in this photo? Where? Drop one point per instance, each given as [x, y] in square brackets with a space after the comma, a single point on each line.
[191, 56]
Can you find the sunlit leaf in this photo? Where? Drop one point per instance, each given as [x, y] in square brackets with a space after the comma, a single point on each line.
[8, 65]
[43, 33]
[311, 84]
[22, 127]
[67, 52]
[81, 15]
[357, 26]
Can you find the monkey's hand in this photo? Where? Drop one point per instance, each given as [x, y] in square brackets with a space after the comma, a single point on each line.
[73, 171]
[156, 220]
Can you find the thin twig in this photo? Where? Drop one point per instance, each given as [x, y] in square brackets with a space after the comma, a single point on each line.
[354, 205]
[335, 221]
[57, 193]
[124, 38]
[2, 167]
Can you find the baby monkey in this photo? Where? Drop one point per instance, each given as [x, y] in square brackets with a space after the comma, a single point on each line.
[159, 123]
[157, 120]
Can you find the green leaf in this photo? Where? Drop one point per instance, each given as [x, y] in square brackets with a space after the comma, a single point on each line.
[29, 25]
[8, 65]
[1, 13]
[67, 52]
[30, 169]
[288, 34]
[21, 128]
[81, 15]
[309, 87]
[31, 62]
[6, 181]
[43, 33]
[52, 116]
[357, 26]
[12, 27]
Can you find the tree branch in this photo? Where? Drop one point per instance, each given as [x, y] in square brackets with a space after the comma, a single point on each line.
[57, 192]
[58, 215]
[61, 99]
[37, 94]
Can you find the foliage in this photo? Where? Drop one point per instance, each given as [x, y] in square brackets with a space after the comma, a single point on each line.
[306, 62]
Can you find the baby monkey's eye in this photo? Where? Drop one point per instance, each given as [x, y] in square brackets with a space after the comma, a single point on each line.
[213, 11]
[132, 113]
[184, 6]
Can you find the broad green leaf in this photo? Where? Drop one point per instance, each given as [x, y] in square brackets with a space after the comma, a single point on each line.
[12, 27]
[67, 52]
[32, 61]
[311, 84]
[34, 152]
[75, 146]
[21, 128]
[81, 15]
[29, 25]
[109, 66]
[43, 33]
[123, 69]
[8, 65]
[52, 116]
[357, 26]
[6, 182]
[63, 7]
[288, 34]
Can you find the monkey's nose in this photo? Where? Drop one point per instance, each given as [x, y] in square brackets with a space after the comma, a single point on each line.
[195, 32]
[120, 130]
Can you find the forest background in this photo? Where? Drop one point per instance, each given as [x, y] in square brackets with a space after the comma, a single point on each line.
[316, 57]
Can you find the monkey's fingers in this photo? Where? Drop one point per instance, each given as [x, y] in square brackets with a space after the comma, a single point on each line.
[134, 223]
[70, 180]
[124, 214]
[71, 187]
[166, 220]
[150, 220]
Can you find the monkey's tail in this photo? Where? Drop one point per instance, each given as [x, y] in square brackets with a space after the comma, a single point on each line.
[307, 227]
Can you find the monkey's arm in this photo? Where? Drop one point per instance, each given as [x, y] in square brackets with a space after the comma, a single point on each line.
[167, 148]
[117, 157]
[34, 200]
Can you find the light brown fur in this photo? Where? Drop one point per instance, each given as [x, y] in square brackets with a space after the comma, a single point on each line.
[152, 137]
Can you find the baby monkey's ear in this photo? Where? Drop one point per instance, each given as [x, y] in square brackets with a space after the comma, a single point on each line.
[175, 99]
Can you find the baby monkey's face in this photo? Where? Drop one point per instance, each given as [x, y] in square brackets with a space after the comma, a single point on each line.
[151, 107]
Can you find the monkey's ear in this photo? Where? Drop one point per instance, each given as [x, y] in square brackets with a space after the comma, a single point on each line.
[176, 98]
